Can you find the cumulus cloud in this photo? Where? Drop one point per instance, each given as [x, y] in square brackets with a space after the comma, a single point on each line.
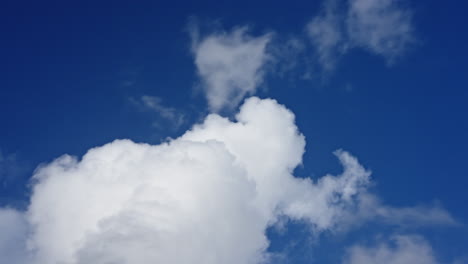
[369, 208]
[230, 65]
[400, 249]
[383, 27]
[206, 197]
[423, 215]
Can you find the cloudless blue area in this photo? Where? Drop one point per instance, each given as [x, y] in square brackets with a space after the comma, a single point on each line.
[69, 69]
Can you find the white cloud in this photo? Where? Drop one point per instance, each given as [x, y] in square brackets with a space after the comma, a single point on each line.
[405, 216]
[401, 249]
[230, 65]
[206, 197]
[325, 32]
[383, 27]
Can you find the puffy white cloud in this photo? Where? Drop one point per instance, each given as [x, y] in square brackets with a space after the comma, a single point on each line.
[206, 197]
[383, 27]
[401, 249]
[230, 65]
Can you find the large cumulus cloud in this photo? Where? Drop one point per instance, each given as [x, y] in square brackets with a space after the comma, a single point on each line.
[206, 197]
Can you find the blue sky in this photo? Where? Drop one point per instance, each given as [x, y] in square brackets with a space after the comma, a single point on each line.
[79, 75]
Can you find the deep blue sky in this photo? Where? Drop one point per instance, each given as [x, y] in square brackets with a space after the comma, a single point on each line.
[69, 70]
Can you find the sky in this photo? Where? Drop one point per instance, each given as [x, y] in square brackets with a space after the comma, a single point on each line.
[329, 131]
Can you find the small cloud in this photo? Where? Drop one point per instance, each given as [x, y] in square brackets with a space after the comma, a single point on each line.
[398, 249]
[230, 65]
[383, 27]
[370, 209]
[155, 105]
[326, 34]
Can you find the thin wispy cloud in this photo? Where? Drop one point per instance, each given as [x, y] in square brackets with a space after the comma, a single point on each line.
[398, 249]
[384, 28]
[326, 34]
[371, 209]
[155, 105]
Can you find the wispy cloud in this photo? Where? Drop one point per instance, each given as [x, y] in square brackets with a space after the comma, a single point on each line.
[371, 209]
[326, 34]
[155, 104]
[383, 27]
[230, 65]
[399, 249]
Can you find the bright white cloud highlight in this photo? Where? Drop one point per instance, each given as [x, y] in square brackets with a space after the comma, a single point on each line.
[401, 249]
[230, 65]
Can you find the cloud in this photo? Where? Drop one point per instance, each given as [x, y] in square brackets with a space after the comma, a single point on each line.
[155, 104]
[326, 35]
[383, 27]
[230, 65]
[400, 249]
[206, 197]
[369, 208]
[406, 216]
